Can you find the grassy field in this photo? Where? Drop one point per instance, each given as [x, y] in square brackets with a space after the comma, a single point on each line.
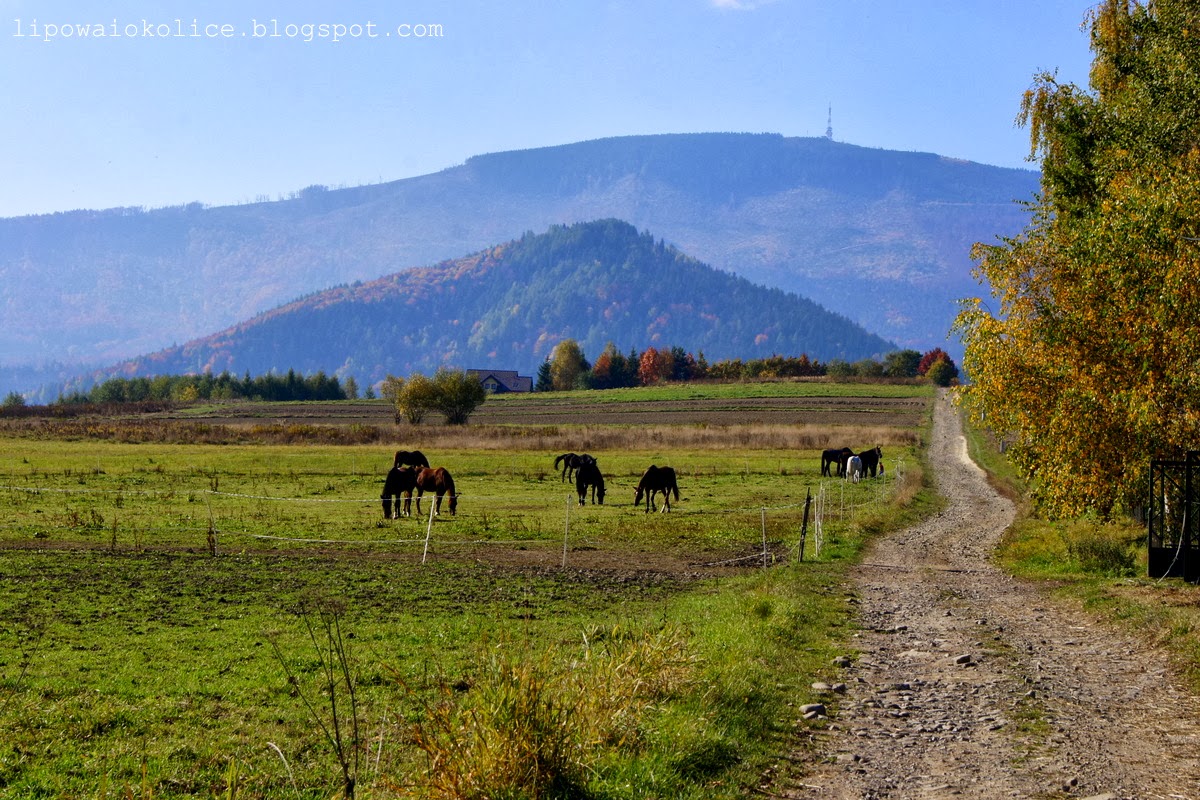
[238, 620]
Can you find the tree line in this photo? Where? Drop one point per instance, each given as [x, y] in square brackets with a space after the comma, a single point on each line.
[206, 386]
[447, 391]
[568, 368]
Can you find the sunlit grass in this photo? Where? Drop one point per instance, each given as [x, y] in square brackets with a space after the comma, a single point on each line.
[153, 639]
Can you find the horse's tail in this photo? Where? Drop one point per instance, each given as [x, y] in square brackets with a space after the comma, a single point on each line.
[675, 487]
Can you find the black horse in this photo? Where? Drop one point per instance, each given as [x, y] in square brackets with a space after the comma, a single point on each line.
[589, 475]
[414, 458]
[654, 480]
[837, 458]
[571, 462]
[872, 460]
[400, 482]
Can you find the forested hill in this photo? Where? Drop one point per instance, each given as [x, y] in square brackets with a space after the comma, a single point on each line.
[879, 236]
[507, 306]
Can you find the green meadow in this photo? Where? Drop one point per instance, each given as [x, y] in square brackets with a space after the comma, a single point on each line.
[239, 620]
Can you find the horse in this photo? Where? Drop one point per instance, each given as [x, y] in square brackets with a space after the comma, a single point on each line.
[438, 481]
[413, 458]
[837, 458]
[571, 462]
[657, 479]
[854, 469]
[872, 460]
[400, 481]
[589, 475]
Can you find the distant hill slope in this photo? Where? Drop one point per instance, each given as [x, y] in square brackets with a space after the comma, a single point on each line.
[508, 305]
[877, 235]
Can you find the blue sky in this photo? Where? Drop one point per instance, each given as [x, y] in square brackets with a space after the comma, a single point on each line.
[219, 115]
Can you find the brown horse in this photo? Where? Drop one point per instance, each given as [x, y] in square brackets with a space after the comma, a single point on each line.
[400, 482]
[438, 481]
[657, 479]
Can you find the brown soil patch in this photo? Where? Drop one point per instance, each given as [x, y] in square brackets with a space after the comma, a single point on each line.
[856, 411]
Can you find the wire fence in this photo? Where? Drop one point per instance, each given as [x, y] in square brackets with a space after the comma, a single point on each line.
[220, 520]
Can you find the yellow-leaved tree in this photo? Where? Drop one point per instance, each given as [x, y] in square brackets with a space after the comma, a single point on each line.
[1088, 354]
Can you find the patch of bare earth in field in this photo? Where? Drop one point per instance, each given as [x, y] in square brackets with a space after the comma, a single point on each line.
[969, 683]
[905, 412]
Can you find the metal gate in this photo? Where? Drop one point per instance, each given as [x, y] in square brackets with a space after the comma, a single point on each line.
[1171, 519]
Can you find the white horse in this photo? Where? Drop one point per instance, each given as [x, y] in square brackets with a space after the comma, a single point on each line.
[854, 469]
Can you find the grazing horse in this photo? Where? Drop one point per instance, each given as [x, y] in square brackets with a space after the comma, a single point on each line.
[872, 460]
[414, 458]
[589, 475]
[837, 458]
[657, 479]
[400, 482]
[438, 481]
[854, 469]
[571, 462]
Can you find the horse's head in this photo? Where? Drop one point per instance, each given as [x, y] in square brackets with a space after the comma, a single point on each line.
[600, 493]
[637, 497]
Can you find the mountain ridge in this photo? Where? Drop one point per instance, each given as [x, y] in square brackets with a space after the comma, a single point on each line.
[879, 236]
[505, 307]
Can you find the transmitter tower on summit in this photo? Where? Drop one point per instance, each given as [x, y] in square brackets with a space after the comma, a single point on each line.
[829, 124]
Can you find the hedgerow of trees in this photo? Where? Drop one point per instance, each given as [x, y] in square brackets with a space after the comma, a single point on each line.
[568, 368]
[188, 388]
[1088, 353]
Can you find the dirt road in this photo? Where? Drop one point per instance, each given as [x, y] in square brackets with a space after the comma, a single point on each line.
[968, 683]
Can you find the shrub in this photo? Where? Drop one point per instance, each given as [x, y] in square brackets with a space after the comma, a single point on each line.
[1101, 549]
[415, 398]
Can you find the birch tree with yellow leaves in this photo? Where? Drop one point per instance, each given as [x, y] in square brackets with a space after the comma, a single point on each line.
[1087, 352]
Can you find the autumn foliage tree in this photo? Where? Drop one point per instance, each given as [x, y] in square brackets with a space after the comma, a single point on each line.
[655, 366]
[566, 365]
[1089, 347]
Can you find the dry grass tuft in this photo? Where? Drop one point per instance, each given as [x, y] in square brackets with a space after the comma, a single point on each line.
[536, 728]
[691, 437]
